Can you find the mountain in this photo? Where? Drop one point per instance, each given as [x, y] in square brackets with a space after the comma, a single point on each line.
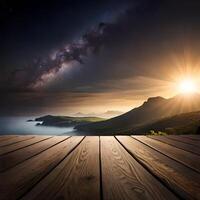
[111, 113]
[152, 110]
[65, 121]
[107, 114]
[80, 114]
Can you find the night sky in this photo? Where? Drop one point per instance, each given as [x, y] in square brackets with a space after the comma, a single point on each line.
[63, 57]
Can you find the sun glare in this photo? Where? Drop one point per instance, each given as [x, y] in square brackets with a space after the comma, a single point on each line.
[187, 86]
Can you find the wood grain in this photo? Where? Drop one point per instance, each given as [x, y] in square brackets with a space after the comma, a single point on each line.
[195, 143]
[12, 159]
[20, 179]
[179, 178]
[22, 144]
[15, 140]
[121, 167]
[189, 159]
[124, 178]
[176, 143]
[77, 177]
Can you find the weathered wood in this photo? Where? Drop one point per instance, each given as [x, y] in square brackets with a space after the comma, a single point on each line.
[176, 143]
[15, 140]
[20, 179]
[77, 177]
[124, 178]
[60, 167]
[186, 140]
[187, 158]
[10, 160]
[22, 144]
[179, 178]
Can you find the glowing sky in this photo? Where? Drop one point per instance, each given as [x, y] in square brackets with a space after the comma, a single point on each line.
[65, 57]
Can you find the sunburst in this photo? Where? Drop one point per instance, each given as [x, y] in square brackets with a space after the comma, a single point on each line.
[187, 86]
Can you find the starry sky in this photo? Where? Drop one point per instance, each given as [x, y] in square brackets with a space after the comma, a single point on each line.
[63, 57]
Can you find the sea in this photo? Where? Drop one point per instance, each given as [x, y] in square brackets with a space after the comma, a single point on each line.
[20, 126]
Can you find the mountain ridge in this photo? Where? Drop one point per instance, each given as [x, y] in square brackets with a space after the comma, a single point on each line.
[152, 110]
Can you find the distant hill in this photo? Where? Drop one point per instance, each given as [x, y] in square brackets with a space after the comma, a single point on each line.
[107, 114]
[65, 121]
[80, 114]
[111, 113]
[152, 110]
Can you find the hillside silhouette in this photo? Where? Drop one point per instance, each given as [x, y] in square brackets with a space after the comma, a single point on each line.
[151, 111]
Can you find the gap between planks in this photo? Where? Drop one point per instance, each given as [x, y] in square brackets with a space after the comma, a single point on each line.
[178, 178]
[31, 172]
[13, 159]
[177, 144]
[188, 159]
[23, 144]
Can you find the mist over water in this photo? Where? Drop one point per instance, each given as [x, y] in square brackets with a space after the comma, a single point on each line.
[20, 126]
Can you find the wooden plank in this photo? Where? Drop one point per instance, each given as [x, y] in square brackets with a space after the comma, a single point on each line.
[187, 147]
[77, 177]
[179, 178]
[184, 140]
[124, 178]
[10, 160]
[19, 145]
[20, 179]
[193, 137]
[189, 159]
[15, 140]
[7, 137]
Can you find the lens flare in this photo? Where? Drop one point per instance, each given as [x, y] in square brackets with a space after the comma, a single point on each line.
[187, 86]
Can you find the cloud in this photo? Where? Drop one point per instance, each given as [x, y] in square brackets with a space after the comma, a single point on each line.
[151, 39]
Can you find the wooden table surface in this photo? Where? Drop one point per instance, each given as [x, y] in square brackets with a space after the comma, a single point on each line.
[99, 168]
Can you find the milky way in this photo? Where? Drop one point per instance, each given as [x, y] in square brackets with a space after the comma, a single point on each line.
[62, 56]
[34, 75]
